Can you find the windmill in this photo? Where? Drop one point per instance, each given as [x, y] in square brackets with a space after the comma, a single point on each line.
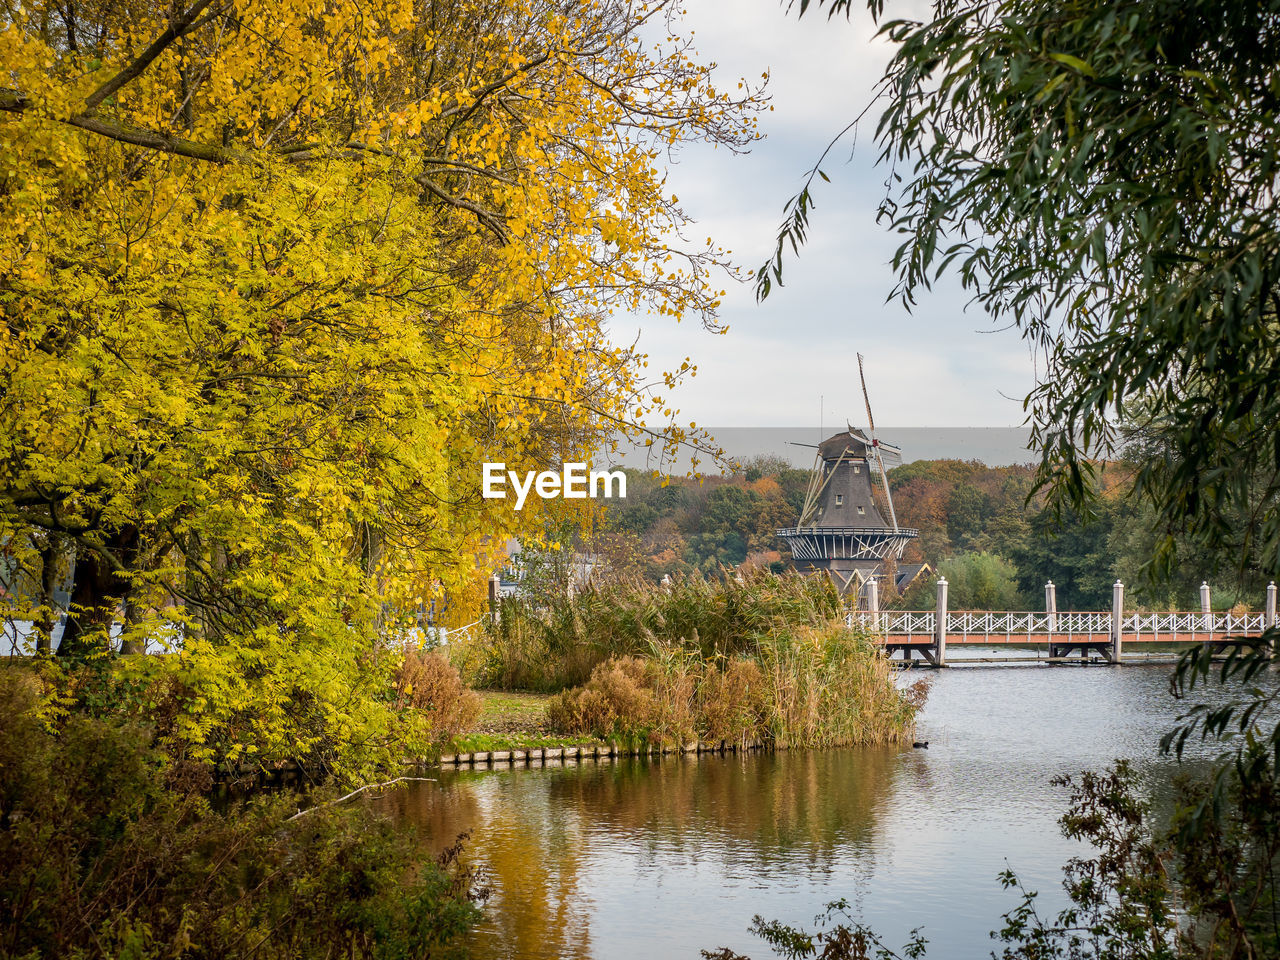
[841, 530]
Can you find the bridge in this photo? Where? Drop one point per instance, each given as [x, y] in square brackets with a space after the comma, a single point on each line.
[1098, 636]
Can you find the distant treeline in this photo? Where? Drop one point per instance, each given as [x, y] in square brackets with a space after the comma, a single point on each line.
[980, 526]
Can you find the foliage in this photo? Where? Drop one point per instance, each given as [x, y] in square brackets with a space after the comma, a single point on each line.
[276, 279]
[802, 687]
[1101, 176]
[831, 686]
[429, 682]
[112, 849]
[838, 937]
[702, 524]
[558, 645]
[981, 581]
[669, 699]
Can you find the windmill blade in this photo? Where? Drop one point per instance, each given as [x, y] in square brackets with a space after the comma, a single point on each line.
[889, 458]
[892, 455]
[866, 398]
[875, 445]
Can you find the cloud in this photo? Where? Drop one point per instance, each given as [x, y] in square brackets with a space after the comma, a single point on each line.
[943, 364]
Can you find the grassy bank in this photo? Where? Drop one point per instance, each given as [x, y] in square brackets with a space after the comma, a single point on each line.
[765, 657]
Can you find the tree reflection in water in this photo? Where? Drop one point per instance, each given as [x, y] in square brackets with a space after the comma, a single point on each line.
[537, 832]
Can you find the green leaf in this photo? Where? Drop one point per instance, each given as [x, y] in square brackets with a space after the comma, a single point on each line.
[1074, 62]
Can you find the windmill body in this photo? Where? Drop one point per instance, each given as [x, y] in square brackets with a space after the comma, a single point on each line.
[842, 531]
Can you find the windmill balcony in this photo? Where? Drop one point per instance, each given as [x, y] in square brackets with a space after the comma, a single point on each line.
[847, 543]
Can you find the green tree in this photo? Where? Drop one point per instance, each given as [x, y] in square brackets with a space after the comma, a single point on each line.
[981, 581]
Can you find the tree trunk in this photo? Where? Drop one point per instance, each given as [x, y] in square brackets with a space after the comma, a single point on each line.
[96, 595]
[47, 619]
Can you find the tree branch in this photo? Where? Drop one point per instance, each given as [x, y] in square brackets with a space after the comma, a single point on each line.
[176, 28]
[367, 786]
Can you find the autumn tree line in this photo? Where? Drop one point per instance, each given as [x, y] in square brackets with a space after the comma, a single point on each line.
[986, 529]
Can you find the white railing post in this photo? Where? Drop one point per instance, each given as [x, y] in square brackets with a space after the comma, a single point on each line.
[1117, 621]
[940, 624]
[1051, 605]
[873, 596]
[1206, 608]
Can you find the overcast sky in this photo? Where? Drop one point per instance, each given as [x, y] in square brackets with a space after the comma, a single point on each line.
[940, 366]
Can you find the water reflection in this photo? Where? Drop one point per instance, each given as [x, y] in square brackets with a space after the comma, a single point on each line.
[659, 858]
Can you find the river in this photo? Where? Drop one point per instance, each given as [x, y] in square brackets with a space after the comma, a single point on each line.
[662, 858]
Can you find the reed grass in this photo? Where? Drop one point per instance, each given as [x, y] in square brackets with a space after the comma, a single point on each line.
[558, 645]
[759, 657]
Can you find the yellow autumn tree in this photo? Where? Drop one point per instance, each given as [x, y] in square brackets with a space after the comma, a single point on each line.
[276, 278]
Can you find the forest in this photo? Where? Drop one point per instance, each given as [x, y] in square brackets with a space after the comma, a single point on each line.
[986, 529]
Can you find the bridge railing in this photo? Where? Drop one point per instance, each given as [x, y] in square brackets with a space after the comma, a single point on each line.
[963, 624]
[895, 622]
[1172, 625]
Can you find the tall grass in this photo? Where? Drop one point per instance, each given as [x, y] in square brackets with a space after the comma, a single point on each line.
[812, 687]
[761, 657]
[558, 645]
[833, 686]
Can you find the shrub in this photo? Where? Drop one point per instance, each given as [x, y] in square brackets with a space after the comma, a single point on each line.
[426, 681]
[559, 643]
[111, 849]
[734, 702]
[811, 687]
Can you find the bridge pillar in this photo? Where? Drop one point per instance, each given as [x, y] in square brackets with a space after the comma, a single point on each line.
[1051, 605]
[1206, 608]
[1117, 621]
[940, 625]
[873, 596]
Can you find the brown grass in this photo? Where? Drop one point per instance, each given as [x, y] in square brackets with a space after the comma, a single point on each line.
[812, 687]
[428, 682]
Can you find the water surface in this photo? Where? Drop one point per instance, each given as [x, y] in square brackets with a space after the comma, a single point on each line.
[662, 858]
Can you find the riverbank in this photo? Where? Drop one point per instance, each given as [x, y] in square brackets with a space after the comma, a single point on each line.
[513, 720]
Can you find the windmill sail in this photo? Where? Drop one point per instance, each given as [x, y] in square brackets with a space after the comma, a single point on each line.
[876, 445]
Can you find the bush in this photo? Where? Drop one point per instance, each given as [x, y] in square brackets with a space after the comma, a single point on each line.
[111, 849]
[811, 687]
[426, 681]
[559, 644]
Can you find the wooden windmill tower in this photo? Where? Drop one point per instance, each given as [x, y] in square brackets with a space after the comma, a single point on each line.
[841, 530]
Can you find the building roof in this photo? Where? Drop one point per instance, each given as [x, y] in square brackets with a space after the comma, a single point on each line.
[908, 574]
[854, 441]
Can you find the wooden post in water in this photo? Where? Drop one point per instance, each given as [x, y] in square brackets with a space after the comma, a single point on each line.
[495, 594]
[1117, 621]
[940, 625]
[1206, 608]
[1270, 620]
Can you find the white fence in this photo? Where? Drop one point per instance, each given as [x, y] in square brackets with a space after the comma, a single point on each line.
[1035, 626]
